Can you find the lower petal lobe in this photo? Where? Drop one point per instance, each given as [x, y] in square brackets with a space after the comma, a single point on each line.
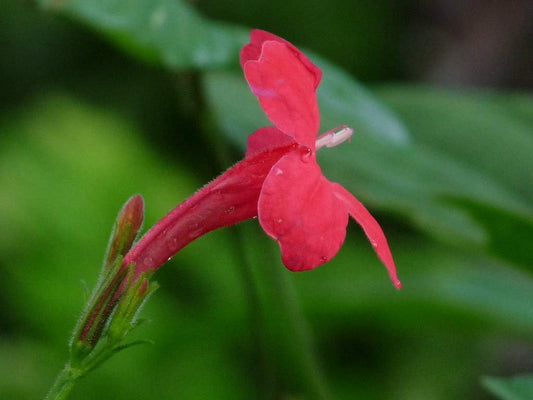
[297, 207]
[372, 230]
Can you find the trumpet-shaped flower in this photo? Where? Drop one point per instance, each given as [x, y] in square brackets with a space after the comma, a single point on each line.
[279, 179]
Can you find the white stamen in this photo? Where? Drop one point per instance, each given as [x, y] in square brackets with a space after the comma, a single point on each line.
[334, 137]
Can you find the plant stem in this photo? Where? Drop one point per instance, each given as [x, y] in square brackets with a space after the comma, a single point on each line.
[284, 329]
[63, 384]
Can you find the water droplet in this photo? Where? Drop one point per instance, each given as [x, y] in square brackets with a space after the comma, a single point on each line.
[245, 181]
[148, 261]
[258, 176]
[173, 244]
[306, 155]
[195, 234]
[279, 171]
[324, 258]
[229, 210]
[279, 220]
[195, 231]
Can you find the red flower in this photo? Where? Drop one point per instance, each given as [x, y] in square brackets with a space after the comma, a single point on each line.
[279, 179]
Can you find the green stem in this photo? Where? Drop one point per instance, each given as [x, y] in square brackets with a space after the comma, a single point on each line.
[285, 331]
[304, 350]
[63, 384]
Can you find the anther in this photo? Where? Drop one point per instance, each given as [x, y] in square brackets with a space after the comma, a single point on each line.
[334, 137]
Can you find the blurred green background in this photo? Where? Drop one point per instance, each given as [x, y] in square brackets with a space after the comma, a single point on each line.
[102, 99]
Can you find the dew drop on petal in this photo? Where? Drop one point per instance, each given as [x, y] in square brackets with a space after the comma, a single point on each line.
[219, 195]
[306, 155]
[195, 230]
[324, 258]
[229, 210]
[172, 244]
[148, 262]
[279, 220]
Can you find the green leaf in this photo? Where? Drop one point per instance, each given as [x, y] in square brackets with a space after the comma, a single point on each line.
[167, 32]
[342, 98]
[515, 388]
[487, 131]
[65, 168]
[423, 183]
[487, 140]
[471, 290]
[172, 33]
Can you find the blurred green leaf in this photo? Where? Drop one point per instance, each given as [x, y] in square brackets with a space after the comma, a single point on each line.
[439, 283]
[515, 388]
[342, 98]
[169, 32]
[418, 181]
[172, 33]
[487, 131]
[65, 169]
[490, 134]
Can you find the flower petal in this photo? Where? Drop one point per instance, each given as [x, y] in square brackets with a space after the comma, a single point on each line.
[229, 199]
[267, 138]
[252, 51]
[286, 89]
[372, 230]
[297, 207]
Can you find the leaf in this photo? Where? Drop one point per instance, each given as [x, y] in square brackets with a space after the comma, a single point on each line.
[167, 32]
[514, 388]
[489, 136]
[469, 289]
[172, 33]
[489, 131]
[342, 98]
[65, 168]
[414, 179]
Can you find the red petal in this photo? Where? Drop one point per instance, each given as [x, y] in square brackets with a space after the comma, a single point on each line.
[229, 199]
[371, 228]
[252, 51]
[285, 88]
[297, 207]
[267, 138]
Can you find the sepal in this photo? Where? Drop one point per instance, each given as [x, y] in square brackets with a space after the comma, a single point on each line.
[126, 229]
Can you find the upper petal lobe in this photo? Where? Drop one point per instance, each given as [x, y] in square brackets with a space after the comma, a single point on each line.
[286, 90]
[297, 207]
[252, 51]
